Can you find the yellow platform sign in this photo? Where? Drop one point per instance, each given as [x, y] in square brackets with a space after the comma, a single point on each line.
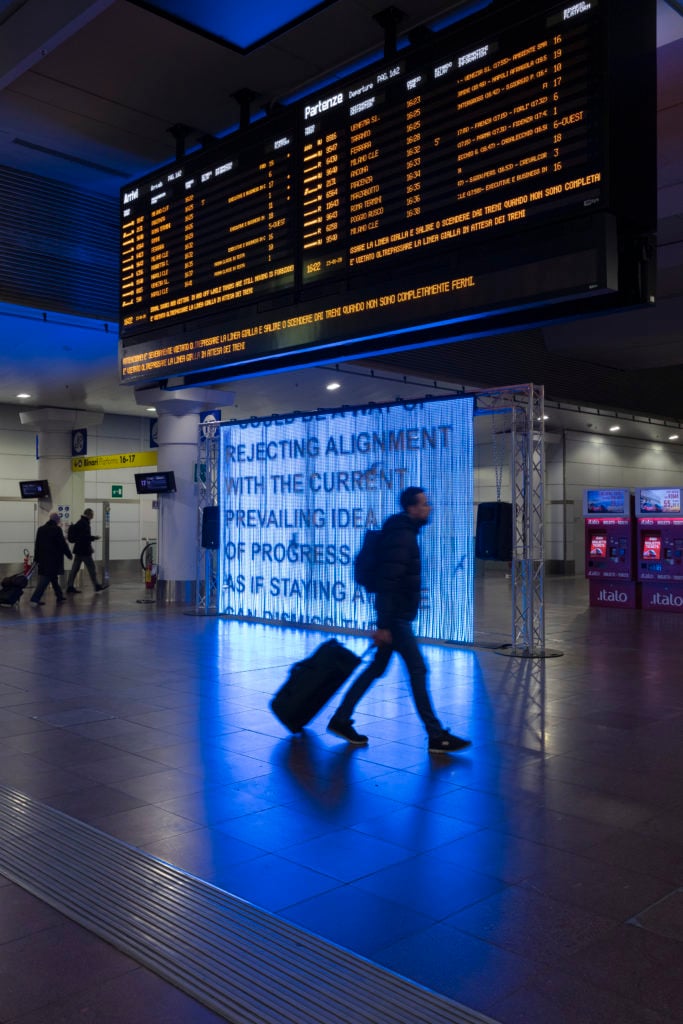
[83, 463]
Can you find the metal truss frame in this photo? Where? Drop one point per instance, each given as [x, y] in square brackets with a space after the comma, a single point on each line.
[524, 403]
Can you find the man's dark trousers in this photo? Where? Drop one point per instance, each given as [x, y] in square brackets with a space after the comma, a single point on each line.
[405, 644]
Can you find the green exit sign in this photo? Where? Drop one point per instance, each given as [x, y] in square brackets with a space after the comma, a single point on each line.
[117, 490]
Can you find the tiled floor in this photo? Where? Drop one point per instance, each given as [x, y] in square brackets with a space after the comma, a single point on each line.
[536, 878]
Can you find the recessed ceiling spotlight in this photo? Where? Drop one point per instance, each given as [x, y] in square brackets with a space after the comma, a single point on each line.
[333, 386]
[23, 395]
[614, 429]
[673, 437]
[151, 408]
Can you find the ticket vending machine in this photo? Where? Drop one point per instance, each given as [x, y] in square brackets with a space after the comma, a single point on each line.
[610, 548]
[659, 551]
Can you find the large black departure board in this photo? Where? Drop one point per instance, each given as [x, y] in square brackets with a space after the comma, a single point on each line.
[501, 173]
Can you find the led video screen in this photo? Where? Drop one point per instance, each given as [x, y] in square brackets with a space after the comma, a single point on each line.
[297, 494]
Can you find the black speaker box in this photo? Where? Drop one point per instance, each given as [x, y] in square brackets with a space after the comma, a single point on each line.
[493, 540]
[211, 527]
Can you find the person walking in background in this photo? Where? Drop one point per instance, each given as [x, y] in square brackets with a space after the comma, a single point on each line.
[397, 601]
[50, 551]
[81, 538]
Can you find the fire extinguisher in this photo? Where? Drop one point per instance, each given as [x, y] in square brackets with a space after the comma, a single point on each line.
[27, 562]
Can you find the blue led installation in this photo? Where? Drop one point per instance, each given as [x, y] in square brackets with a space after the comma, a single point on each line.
[298, 492]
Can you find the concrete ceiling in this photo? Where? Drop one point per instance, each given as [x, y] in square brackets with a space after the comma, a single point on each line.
[88, 92]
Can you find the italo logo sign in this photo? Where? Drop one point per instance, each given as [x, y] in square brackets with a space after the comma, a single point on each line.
[661, 600]
[613, 596]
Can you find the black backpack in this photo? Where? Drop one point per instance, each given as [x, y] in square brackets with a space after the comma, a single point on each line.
[72, 533]
[366, 561]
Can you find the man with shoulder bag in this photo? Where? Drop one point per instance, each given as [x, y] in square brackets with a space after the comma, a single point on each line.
[82, 539]
[398, 589]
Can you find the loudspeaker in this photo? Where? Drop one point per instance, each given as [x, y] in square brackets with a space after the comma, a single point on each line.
[211, 527]
[493, 541]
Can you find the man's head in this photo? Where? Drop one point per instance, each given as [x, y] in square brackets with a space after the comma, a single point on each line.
[54, 517]
[415, 503]
[88, 513]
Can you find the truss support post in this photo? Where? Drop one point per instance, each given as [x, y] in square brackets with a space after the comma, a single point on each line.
[524, 403]
[528, 471]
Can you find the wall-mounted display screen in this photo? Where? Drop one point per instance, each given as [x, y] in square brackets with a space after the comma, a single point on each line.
[497, 174]
[35, 489]
[298, 493]
[658, 501]
[652, 546]
[155, 483]
[606, 501]
[598, 546]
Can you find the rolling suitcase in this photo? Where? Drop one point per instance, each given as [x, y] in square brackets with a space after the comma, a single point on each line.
[12, 587]
[311, 683]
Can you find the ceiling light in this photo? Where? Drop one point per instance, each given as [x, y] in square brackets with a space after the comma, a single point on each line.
[23, 395]
[613, 429]
[334, 386]
[150, 408]
[673, 437]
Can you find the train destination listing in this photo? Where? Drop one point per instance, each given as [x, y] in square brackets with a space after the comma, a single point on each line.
[377, 182]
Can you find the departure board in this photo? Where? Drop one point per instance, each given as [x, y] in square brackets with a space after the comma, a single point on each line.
[468, 183]
[208, 236]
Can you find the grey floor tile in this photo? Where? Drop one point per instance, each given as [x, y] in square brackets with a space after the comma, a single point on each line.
[53, 964]
[554, 996]
[136, 997]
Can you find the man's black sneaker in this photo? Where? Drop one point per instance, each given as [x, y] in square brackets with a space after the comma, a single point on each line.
[347, 732]
[72, 590]
[446, 743]
[98, 587]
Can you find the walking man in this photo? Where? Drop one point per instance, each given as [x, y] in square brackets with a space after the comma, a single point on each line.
[81, 538]
[397, 600]
[50, 551]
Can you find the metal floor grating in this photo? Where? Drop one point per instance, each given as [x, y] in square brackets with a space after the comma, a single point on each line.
[245, 964]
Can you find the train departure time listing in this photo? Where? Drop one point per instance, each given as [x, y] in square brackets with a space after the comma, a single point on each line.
[368, 196]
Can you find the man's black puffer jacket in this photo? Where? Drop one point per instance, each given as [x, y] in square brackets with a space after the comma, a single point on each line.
[399, 573]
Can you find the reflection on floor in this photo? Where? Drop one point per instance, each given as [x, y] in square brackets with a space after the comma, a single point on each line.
[535, 878]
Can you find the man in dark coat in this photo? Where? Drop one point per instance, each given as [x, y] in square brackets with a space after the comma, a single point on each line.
[81, 537]
[397, 600]
[50, 551]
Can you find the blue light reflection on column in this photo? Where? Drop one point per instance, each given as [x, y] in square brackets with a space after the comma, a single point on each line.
[297, 494]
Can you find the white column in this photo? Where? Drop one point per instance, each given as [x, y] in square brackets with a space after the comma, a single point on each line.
[179, 528]
[177, 540]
